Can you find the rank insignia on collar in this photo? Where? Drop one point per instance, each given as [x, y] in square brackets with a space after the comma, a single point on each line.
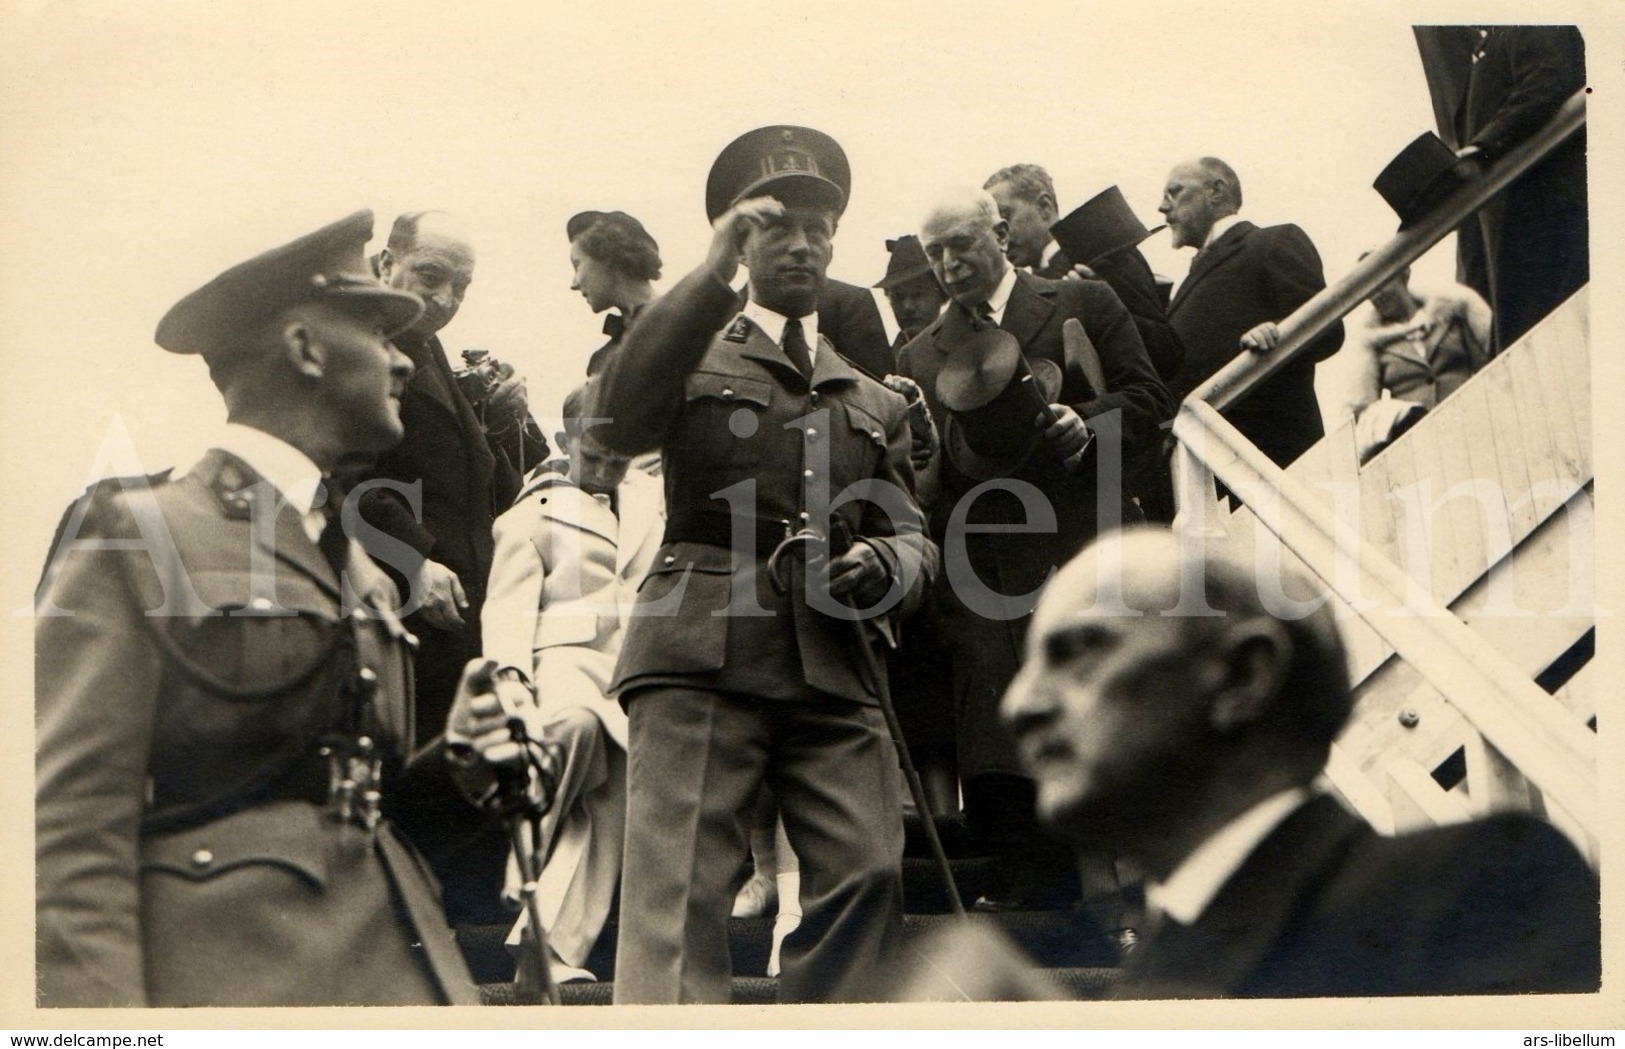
[738, 331]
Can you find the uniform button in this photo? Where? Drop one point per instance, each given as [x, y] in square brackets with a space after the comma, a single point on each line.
[803, 516]
[669, 559]
[727, 393]
[367, 676]
[806, 473]
[412, 641]
[875, 436]
[813, 396]
[812, 434]
[260, 604]
[202, 858]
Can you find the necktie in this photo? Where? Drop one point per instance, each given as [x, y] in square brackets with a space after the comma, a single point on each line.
[982, 317]
[796, 348]
[333, 543]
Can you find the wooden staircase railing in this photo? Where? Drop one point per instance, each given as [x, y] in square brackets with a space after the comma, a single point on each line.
[1428, 537]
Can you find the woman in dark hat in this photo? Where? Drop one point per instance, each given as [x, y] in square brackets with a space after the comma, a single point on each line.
[615, 263]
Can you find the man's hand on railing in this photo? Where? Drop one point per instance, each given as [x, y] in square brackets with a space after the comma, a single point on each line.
[1263, 338]
[1470, 163]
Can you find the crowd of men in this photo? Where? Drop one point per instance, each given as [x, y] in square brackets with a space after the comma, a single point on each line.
[290, 701]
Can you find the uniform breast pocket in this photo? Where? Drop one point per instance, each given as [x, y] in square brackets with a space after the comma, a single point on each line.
[722, 421]
[861, 449]
[263, 640]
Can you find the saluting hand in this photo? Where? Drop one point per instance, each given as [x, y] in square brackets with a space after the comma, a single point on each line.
[732, 227]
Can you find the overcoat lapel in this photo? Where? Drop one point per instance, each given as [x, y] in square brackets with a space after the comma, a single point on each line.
[1029, 309]
[1210, 257]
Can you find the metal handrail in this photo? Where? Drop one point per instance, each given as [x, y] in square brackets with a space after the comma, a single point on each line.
[1248, 370]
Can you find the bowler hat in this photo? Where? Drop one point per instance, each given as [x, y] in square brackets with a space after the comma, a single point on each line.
[777, 161]
[907, 261]
[324, 266]
[1418, 178]
[992, 394]
[1099, 226]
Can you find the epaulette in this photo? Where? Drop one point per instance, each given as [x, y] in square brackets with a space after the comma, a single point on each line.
[95, 492]
[738, 331]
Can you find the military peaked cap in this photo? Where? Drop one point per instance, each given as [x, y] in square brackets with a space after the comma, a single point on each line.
[324, 266]
[777, 161]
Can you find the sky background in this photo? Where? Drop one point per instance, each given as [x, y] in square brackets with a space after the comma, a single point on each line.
[150, 146]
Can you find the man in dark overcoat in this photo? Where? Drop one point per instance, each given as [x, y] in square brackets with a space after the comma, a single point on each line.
[1006, 521]
[223, 689]
[458, 467]
[789, 512]
[1243, 276]
[1192, 744]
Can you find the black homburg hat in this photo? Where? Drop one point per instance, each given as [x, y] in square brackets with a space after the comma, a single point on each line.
[907, 261]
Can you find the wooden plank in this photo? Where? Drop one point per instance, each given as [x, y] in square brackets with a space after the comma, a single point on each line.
[1494, 784]
[1417, 800]
[1358, 792]
[1553, 377]
[1484, 474]
[1540, 454]
[1427, 529]
[1377, 525]
[1576, 362]
[1511, 469]
[1578, 693]
[1449, 427]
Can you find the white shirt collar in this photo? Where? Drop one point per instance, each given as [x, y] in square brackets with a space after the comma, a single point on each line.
[1220, 225]
[1052, 248]
[1000, 298]
[288, 469]
[1185, 893]
[772, 324]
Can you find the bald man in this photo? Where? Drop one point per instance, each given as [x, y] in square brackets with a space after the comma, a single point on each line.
[1191, 744]
[468, 463]
[1243, 276]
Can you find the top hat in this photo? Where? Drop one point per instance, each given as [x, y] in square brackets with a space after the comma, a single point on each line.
[1099, 226]
[778, 161]
[907, 261]
[324, 266]
[1416, 180]
[992, 394]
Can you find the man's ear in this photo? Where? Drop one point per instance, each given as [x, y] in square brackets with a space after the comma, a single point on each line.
[386, 265]
[304, 351]
[1001, 232]
[1255, 654]
[1048, 207]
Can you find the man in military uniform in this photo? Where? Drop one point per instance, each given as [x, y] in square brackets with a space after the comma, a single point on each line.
[223, 689]
[742, 662]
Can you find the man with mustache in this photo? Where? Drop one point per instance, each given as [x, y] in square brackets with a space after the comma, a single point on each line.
[469, 464]
[1022, 514]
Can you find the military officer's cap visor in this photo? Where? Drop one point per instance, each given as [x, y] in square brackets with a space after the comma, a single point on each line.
[325, 266]
[796, 165]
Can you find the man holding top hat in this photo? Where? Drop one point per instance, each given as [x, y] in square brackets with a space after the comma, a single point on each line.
[791, 532]
[1039, 388]
[224, 688]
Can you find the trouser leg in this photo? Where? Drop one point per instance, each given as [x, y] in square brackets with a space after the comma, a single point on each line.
[835, 771]
[695, 761]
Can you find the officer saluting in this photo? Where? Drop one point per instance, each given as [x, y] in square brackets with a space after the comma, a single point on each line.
[223, 692]
[729, 679]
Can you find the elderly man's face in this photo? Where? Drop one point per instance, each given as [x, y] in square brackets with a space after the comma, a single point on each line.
[1190, 204]
[787, 256]
[438, 269]
[966, 252]
[915, 303]
[1029, 223]
[1109, 711]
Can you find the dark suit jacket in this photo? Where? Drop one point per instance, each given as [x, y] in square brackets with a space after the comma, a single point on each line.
[1536, 234]
[467, 480]
[1248, 276]
[185, 855]
[1018, 563]
[1128, 274]
[1326, 907]
[728, 408]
